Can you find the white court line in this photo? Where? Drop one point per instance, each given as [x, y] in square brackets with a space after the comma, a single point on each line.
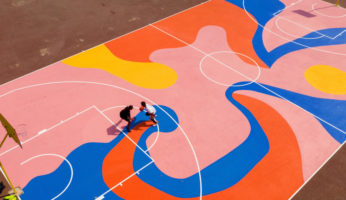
[59, 156]
[318, 170]
[149, 100]
[199, 50]
[288, 40]
[227, 85]
[121, 182]
[66, 120]
[46, 130]
[249, 79]
[158, 129]
[306, 28]
[120, 36]
[157, 137]
[287, 7]
[340, 34]
[324, 15]
[131, 92]
[292, 35]
[108, 119]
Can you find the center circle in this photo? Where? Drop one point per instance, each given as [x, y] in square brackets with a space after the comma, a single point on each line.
[227, 68]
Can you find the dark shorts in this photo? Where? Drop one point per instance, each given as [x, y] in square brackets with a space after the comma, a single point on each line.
[149, 114]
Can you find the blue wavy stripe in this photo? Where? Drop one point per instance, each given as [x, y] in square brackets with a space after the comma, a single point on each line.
[218, 176]
[331, 110]
[297, 44]
[263, 11]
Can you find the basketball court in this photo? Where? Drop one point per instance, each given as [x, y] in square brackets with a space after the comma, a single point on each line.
[250, 98]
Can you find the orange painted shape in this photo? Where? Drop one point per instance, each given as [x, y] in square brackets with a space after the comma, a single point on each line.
[118, 165]
[239, 27]
[277, 176]
[138, 45]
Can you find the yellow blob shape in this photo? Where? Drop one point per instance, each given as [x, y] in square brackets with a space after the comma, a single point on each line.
[147, 75]
[327, 79]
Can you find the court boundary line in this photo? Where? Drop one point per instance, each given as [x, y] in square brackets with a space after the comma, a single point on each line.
[286, 39]
[127, 34]
[307, 28]
[324, 163]
[117, 37]
[249, 79]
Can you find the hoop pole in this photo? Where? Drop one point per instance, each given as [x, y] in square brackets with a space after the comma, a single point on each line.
[3, 140]
[14, 189]
[337, 2]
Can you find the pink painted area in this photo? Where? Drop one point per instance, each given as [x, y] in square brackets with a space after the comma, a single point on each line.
[40, 107]
[213, 124]
[288, 71]
[315, 144]
[223, 68]
[61, 140]
[289, 25]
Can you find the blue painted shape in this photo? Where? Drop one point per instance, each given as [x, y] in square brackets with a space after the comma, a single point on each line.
[50, 188]
[263, 11]
[330, 110]
[218, 176]
[334, 33]
[323, 41]
[85, 185]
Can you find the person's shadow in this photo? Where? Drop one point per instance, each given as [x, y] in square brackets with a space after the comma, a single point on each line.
[112, 130]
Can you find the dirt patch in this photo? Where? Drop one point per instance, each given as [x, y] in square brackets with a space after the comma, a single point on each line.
[342, 3]
[329, 182]
[36, 33]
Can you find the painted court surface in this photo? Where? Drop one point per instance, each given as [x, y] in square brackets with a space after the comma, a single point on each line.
[250, 98]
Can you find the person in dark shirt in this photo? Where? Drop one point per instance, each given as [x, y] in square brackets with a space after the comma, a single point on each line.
[125, 114]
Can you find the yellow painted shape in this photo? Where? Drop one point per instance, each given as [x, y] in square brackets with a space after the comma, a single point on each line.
[147, 75]
[327, 79]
